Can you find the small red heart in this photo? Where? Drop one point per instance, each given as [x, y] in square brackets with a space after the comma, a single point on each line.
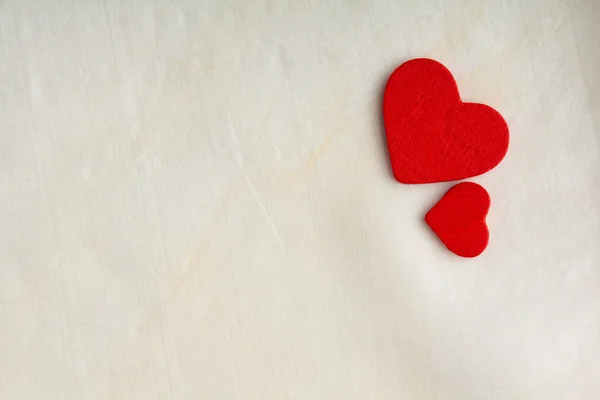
[459, 219]
[432, 135]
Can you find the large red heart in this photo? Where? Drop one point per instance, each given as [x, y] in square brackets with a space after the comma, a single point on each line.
[432, 135]
[459, 219]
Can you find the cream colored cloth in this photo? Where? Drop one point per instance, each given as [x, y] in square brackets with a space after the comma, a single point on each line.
[196, 202]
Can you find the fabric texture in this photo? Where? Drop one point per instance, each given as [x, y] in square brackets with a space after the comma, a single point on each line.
[432, 135]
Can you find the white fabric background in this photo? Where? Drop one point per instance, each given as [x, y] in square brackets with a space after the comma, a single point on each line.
[196, 203]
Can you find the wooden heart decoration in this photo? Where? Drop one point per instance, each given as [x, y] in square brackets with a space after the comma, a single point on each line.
[458, 219]
[432, 135]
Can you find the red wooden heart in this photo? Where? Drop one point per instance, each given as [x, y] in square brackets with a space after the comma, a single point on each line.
[459, 219]
[432, 135]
